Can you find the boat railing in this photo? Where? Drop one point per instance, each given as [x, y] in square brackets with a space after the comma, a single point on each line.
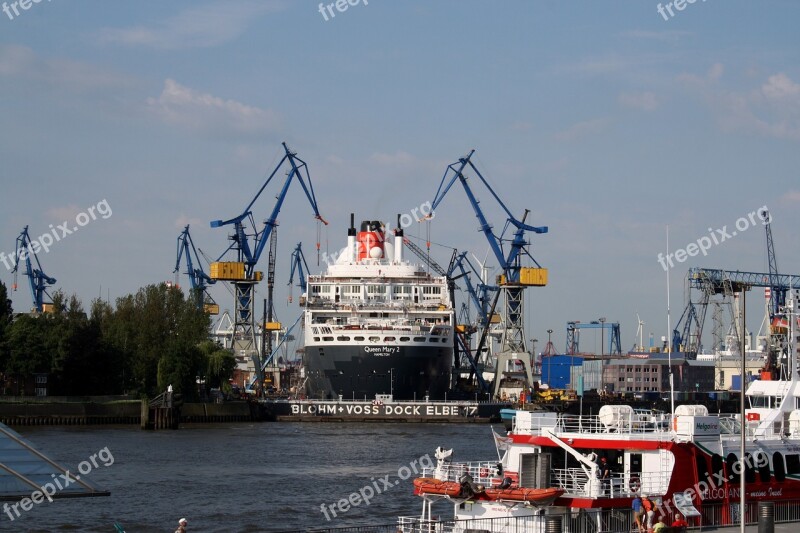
[577, 483]
[414, 524]
[486, 473]
[633, 424]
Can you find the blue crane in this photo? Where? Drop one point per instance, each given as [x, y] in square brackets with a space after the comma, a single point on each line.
[515, 277]
[573, 336]
[777, 294]
[198, 279]
[39, 281]
[248, 249]
[299, 264]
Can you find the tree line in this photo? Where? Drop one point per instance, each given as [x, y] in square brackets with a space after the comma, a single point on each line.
[141, 345]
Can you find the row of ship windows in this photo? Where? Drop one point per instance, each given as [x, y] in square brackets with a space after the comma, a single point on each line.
[359, 338]
[622, 379]
[375, 289]
[782, 465]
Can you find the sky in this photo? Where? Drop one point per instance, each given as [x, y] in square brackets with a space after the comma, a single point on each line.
[609, 121]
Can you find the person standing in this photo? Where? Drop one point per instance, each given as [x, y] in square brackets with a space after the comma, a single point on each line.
[605, 476]
[636, 505]
[650, 511]
[182, 523]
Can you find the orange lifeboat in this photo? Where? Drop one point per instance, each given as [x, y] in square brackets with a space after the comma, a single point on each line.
[535, 496]
[430, 485]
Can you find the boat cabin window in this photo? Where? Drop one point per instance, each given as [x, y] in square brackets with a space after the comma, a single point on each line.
[733, 469]
[702, 467]
[359, 338]
[762, 463]
[778, 467]
[792, 464]
[716, 466]
[759, 401]
[327, 339]
[374, 339]
[749, 469]
[342, 338]
[405, 339]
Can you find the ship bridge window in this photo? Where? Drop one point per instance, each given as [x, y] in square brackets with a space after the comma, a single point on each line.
[428, 289]
[792, 464]
[376, 289]
[779, 467]
[401, 289]
[759, 401]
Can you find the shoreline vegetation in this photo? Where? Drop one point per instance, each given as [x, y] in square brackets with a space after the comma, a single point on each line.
[134, 348]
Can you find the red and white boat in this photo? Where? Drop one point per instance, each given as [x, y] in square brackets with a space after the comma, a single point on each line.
[688, 462]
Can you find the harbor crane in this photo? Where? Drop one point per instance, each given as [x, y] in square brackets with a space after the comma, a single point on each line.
[300, 266]
[514, 278]
[39, 281]
[248, 247]
[198, 279]
[461, 344]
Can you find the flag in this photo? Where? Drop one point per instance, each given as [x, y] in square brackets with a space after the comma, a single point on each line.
[501, 442]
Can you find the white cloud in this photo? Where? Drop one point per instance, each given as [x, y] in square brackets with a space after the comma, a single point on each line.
[646, 101]
[192, 109]
[581, 129]
[790, 197]
[198, 27]
[772, 109]
[22, 62]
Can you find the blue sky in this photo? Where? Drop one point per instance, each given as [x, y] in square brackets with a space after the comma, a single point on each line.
[607, 121]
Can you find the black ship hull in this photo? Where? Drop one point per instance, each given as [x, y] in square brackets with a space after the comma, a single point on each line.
[361, 372]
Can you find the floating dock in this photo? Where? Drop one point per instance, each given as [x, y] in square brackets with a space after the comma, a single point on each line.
[281, 410]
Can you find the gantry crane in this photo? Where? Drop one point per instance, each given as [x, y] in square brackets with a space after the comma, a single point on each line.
[300, 266]
[39, 281]
[198, 279]
[249, 246]
[514, 277]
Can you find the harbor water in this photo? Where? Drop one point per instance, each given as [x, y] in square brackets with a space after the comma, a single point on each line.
[245, 476]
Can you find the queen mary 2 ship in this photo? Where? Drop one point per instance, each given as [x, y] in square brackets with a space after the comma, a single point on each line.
[375, 324]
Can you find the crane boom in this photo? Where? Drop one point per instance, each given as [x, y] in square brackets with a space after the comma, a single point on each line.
[38, 280]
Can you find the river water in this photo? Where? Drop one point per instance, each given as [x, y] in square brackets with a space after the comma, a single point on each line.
[242, 476]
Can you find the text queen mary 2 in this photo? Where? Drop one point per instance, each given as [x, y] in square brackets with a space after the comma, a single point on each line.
[376, 324]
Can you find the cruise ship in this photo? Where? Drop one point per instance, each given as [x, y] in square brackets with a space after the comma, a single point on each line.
[375, 325]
